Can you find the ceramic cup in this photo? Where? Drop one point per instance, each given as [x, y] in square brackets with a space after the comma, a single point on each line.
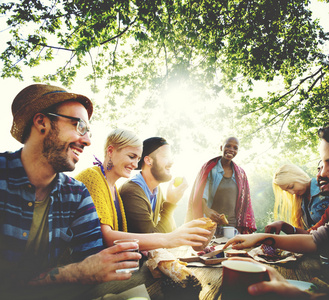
[229, 231]
[238, 275]
[129, 270]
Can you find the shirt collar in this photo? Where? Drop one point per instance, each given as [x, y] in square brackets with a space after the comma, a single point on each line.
[17, 175]
[139, 179]
[219, 168]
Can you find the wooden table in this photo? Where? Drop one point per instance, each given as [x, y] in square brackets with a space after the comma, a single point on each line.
[304, 269]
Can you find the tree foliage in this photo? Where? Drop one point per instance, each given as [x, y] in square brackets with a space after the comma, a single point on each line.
[208, 45]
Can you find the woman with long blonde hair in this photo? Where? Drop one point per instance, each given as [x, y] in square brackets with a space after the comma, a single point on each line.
[297, 200]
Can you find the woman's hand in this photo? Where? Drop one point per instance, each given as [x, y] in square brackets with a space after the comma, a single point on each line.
[275, 227]
[210, 213]
[188, 234]
[287, 228]
[243, 241]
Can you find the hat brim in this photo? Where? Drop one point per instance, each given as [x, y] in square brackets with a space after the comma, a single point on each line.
[26, 112]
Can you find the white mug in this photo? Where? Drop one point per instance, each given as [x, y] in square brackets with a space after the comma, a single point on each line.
[229, 232]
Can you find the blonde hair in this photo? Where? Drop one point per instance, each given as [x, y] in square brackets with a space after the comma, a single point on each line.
[121, 138]
[287, 207]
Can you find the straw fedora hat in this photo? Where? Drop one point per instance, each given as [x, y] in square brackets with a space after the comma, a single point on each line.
[36, 98]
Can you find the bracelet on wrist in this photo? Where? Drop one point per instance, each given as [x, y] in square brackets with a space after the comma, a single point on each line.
[294, 228]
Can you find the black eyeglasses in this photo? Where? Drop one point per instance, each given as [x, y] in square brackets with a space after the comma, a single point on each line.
[320, 166]
[82, 127]
[323, 133]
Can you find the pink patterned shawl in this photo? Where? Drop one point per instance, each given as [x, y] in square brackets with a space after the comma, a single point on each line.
[243, 211]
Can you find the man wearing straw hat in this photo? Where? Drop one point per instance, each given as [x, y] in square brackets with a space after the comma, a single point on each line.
[49, 228]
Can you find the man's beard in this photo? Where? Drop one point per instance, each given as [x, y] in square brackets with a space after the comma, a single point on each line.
[55, 151]
[325, 185]
[158, 173]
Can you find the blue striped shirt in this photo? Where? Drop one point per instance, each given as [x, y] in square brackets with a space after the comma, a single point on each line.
[73, 221]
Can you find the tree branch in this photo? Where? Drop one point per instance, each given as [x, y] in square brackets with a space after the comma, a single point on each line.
[69, 61]
[56, 48]
[118, 35]
[93, 67]
[294, 91]
[315, 81]
[277, 139]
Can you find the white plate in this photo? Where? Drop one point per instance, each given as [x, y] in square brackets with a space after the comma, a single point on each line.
[303, 285]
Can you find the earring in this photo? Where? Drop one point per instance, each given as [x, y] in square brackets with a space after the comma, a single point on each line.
[43, 130]
[109, 165]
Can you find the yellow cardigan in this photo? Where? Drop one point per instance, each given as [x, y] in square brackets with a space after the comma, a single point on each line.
[99, 190]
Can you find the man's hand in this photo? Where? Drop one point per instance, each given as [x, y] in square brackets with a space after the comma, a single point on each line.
[102, 266]
[97, 268]
[174, 194]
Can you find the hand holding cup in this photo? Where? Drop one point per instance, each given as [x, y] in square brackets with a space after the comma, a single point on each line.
[131, 265]
[238, 275]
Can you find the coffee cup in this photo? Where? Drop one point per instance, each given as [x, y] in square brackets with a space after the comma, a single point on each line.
[229, 231]
[238, 276]
[128, 270]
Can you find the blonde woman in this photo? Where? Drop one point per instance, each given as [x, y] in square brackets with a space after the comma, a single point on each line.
[298, 201]
[123, 150]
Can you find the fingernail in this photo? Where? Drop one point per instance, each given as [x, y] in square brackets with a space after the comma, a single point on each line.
[252, 289]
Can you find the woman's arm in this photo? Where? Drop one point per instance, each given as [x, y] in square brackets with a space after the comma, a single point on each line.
[300, 243]
[287, 228]
[188, 234]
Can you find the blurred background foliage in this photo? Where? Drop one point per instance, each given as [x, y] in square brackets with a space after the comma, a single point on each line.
[191, 71]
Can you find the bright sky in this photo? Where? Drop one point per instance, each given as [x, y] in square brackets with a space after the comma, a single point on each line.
[190, 162]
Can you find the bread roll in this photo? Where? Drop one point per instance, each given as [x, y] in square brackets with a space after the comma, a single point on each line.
[174, 269]
[179, 282]
[223, 220]
[163, 260]
[210, 224]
